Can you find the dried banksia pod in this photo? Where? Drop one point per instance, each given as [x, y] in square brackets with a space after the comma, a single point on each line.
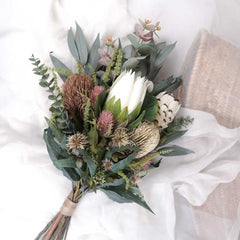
[120, 138]
[146, 136]
[76, 90]
[168, 107]
[95, 92]
[76, 141]
[105, 123]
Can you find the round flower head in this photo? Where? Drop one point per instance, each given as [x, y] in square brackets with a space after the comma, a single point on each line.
[146, 136]
[105, 123]
[76, 141]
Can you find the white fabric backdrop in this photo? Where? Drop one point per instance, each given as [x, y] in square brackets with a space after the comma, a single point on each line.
[32, 190]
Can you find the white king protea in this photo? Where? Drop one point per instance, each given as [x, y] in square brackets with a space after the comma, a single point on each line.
[126, 95]
[168, 107]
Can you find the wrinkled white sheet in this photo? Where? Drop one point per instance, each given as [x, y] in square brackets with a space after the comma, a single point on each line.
[32, 190]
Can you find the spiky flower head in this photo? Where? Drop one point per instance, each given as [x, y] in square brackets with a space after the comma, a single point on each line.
[107, 164]
[76, 90]
[105, 123]
[120, 138]
[95, 92]
[146, 136]
[168, 107]
[135, 179]
[76, 141]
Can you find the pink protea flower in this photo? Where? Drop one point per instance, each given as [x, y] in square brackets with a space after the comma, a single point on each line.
[95, 92]
[105, 123]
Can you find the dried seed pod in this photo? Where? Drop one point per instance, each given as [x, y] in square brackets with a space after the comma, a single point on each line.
[76, 141]
[120, 138]
[146, 136]
[76, 90]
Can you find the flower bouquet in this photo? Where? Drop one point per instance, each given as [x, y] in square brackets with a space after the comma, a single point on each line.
[109, 121]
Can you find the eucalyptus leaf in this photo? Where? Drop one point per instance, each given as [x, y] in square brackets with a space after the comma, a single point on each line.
[123, 163]
[137, 121]
[174, 151]
[145, 49]
[55, 152]
[133, 40]
[129, 51]
[121, 195]
[100, 101]
[171, 137]
[90, 163]
[150, 105]
[93, 55]
[130, 63]
[58, 64]
[81, 45]
[162, 55]
[57, 133]
[72, 45]
[68, 163]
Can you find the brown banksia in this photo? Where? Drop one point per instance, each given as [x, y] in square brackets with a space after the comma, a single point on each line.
[146, 136]
[76, 91]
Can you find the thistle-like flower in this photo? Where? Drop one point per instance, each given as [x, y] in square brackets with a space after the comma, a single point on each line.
[107, 164]
[168, 107]
[95, 92]
[76, 89]
[105, 123]
[146, 136]
[76, 141]
[120, 138]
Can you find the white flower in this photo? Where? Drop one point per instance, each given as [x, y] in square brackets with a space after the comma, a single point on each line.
[168, 108]
[130, 90]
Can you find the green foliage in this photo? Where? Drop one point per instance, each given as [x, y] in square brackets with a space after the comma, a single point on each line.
[93, 53]
[121, 195]
[57, 153]
[92, 166]
[179, 123]
[150, 105]
[118, 65]
[173, 151]
[100, 102]
[81, 45]
[168, 85]
[63, 71]
[123, 163]
[137, 121]
[169, 137]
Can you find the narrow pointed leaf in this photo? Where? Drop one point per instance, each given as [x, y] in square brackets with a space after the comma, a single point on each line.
[93, 56]
[174, 151]
[163, 54]
[81, 45]
[58, 64]
[123, 163]
[90, 163]
[72, 45]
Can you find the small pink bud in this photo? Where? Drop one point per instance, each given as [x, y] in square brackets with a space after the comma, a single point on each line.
[105, 123]
[147, 164]
[95, 92]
